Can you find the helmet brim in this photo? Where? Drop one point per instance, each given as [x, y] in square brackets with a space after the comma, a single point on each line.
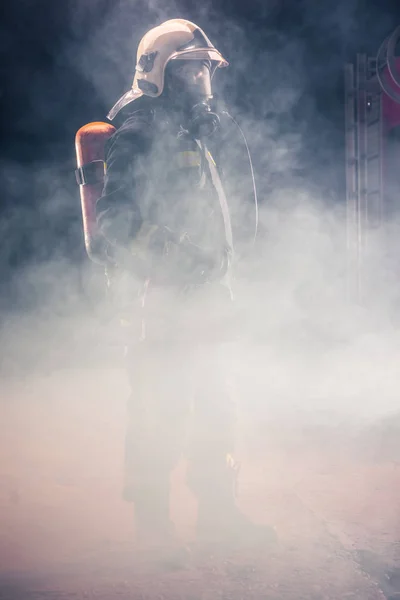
[130, 96]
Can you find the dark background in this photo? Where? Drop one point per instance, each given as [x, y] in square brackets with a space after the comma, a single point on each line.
[65, 63]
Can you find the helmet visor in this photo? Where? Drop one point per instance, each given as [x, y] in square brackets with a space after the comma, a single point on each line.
[201, 54]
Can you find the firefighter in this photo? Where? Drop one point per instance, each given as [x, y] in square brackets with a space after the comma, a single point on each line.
[165, 217]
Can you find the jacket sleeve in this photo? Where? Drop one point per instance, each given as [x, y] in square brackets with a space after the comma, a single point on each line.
[117, 210]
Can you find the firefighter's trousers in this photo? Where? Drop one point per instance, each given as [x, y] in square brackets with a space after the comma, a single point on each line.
[180, 405]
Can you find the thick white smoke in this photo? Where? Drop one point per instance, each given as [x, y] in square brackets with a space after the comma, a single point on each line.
[308, 363]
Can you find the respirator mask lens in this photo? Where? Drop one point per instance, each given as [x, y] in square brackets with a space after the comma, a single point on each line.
[191, 79]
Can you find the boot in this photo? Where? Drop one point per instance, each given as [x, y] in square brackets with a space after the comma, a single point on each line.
[161, 550]
[227, 529]
[157, 545]
[221, 526]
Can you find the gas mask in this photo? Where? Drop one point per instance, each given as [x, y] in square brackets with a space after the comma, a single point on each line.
[188, 87]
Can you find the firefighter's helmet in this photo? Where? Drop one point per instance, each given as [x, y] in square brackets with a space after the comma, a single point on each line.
[174, 39]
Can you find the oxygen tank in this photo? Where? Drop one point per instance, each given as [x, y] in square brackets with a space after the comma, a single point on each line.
[90, 156]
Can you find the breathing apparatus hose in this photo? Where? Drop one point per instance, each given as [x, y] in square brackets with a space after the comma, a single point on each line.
[255, 196]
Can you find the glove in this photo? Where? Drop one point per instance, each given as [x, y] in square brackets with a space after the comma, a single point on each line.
[187, 261]
[160, 254]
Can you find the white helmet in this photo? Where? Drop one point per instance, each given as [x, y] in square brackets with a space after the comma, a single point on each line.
[174, 39]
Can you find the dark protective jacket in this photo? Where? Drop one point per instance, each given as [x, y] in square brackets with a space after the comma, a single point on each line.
[159, 189]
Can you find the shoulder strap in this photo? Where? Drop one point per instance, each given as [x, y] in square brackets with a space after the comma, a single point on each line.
[217, 183]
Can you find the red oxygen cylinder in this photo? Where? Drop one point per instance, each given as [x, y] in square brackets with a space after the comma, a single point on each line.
[90, 156]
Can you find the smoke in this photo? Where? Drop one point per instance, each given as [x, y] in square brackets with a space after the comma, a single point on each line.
[299, 348]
